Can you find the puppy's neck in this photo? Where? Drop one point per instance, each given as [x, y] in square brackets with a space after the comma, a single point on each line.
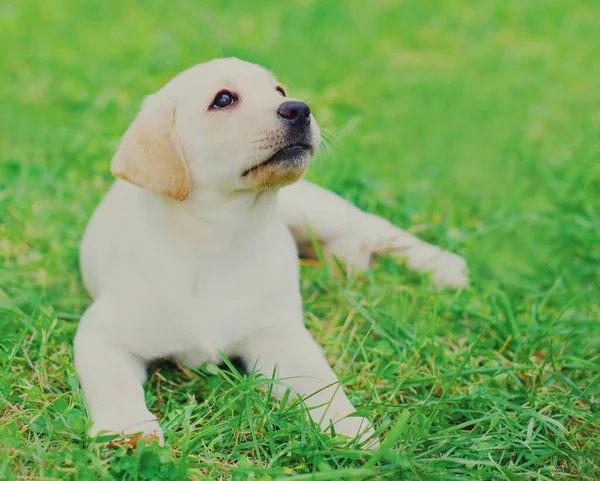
[221, 215]
[230, 207]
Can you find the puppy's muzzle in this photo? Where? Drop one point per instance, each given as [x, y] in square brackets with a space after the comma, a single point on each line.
[297, 143]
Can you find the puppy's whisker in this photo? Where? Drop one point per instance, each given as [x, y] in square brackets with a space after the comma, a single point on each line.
[327, 150]
[327, 133]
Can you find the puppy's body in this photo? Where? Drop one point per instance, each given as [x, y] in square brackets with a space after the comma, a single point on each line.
[190, 272]
[218, 272]
[185, 280]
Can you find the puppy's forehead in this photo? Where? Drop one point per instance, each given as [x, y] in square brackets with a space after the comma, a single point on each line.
[225, 73]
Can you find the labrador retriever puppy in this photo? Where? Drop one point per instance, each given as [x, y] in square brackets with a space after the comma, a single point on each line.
[193, 251]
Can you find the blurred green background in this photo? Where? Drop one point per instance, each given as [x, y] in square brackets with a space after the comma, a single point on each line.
[473, 116]
[473, 123]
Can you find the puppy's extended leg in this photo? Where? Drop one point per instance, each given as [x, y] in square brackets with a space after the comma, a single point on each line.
[111, 379]
[354, 236]
[296, 359]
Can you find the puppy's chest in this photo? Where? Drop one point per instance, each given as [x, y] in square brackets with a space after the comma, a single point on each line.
[231, 296]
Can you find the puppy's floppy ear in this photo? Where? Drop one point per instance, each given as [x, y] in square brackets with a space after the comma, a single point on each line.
[150, 155]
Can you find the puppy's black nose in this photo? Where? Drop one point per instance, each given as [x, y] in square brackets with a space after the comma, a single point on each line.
[294, 113]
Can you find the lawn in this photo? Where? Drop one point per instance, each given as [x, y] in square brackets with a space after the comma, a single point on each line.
[473, 124]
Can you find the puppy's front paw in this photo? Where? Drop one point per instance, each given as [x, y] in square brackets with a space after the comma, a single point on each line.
[359, 428]
[450, 270]
[145, 432]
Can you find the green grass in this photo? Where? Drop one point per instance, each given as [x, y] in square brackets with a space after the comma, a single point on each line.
[474, 123]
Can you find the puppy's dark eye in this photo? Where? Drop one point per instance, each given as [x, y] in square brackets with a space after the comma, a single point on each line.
[223, 99]
[280, 90]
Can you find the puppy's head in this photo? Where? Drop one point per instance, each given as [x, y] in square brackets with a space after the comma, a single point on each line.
[225, 125]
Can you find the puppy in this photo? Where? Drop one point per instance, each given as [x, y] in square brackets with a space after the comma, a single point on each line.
[193, 251]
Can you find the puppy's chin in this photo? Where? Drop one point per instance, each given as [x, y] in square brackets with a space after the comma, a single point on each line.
[284, 167]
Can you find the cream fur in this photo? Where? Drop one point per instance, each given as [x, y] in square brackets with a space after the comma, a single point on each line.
[217, 272]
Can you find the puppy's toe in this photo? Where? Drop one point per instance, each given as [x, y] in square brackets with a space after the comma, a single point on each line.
[145, 432]
[132, 441]
[359, 428]
[370, 443]
[450, 270]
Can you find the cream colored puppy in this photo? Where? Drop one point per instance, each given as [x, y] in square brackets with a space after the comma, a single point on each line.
[193, 252]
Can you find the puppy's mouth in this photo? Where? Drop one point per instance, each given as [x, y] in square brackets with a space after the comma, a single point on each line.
[292, 155]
